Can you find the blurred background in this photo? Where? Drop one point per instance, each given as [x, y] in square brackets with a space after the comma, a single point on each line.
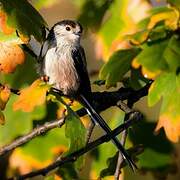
[100, 39]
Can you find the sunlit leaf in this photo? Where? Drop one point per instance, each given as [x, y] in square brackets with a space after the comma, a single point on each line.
[17, 123]
[76, 133]
[170, 18]
[32, 96]
[117, 66]
[10, 57]
[139, 37]
[120, 20]
[21, 16]
[152, 59]
[172, 53]
[4, 96]
[24, 162]
[3, 25]
[167, 87]
[28, 157]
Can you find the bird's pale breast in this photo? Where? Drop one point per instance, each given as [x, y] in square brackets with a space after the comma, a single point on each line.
[61, 70]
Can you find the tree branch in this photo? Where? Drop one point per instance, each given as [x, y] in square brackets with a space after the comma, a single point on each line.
[73, 156]
[120, 160]
[102, 101]
[36, 132]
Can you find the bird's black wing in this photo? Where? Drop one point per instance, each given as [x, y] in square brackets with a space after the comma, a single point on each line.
[86, 99]
[79, 58]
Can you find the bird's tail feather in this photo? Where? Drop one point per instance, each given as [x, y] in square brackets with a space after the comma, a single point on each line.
[100, 121]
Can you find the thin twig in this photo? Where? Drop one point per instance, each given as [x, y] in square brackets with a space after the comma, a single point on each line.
[14, 91]
[73, 156]
[120, 157]
[90, 130]
[120, 160]
[36, 132]
[111, 99]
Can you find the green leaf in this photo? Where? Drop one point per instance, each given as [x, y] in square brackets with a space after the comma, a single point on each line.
[152, 58]
[114, 24]
[67, 172]
[22, 16]
[172, 53]
[117, 66]
[158, 151]
[159, 9]
[158, 33]
[47, 144]
[76, 133]
[167, 86]
[18, 123]
[137, 80]
[92, 12]
[175, 3]
[162, 86]
[139, 37]
[111, 163]
[12, 38]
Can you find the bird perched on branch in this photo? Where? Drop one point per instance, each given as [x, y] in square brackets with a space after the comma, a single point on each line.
[62, 60]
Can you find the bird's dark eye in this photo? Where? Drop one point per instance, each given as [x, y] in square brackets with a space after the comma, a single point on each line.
[68, 28]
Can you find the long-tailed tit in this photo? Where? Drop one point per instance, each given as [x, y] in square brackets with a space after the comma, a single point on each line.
[64, 63]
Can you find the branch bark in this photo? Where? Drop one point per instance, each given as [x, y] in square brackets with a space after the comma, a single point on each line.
[124, 134]
[73, 156]
[102, 101]
[36, 132]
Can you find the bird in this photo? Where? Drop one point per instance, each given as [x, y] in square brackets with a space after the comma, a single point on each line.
[62, 59]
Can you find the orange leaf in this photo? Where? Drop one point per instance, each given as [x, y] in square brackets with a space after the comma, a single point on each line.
[3, 24]
[4, 96]
[25, 163]
[10, 57]
[172, 129]
[32, 96]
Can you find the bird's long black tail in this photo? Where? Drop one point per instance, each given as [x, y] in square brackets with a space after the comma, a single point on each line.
[100, 121]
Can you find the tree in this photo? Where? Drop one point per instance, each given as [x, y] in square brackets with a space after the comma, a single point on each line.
[42, 131]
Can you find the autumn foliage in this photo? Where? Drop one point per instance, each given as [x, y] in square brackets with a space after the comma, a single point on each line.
[138, 43]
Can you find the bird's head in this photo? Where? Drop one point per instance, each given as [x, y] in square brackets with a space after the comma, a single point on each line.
[67, 31]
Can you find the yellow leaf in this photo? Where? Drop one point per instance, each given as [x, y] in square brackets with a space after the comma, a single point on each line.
[170, 18]
[32, 96]
[10, 57]
[4, 96]
[135, 63]
[149, 74]
[172, 129]
[57, 150]
[25, 163]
